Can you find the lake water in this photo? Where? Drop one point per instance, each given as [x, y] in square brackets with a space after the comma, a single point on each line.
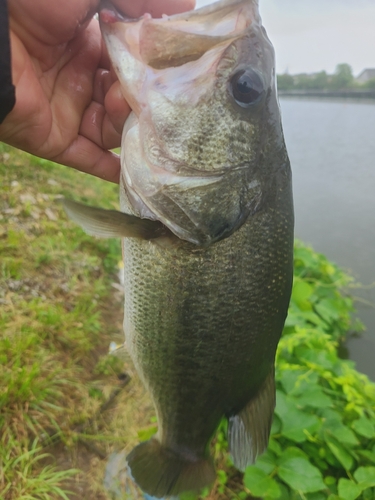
[331, 145]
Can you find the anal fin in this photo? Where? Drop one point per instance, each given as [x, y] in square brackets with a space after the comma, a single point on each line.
[113, 224]
[249, 430]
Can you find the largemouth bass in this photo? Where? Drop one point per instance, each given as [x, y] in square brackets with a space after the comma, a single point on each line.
[207, 221]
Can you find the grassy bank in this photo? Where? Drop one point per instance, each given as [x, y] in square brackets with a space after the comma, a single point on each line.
[59, 311]
[65, 405]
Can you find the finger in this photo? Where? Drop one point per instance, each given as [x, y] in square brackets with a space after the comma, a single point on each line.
[98, 128]
[88, 157]
[155, 7]
[110, 137]
[116, 107]
[102, 83]
[107, 91]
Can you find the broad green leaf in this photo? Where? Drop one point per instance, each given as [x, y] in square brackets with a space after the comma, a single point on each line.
[342, 433]
[316, 496]
[331, 417]
[260, 484]
[334, 426]
[314, 397]
[276, 425]
[304, 257]
[370, 455]
[286, 494]
[289, 378]
[242, 495]
[339, 452]
[300, 475]
[291, 452]
[365, 475]
[330, 480]
[368, 494]
[301, 292]
[296, 317]
[364, 427]
[297, 380]
[315, 319]
[283, 404]
[294, 421]
[222, 476]
[322, 358]
[274, 446]
[266, 462]
[327, 310]
[299, 423]
[348, 490]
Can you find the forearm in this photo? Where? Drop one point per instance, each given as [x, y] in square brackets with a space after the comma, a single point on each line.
[7, 90]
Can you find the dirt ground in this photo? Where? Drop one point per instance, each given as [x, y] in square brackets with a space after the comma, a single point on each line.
[91, 456]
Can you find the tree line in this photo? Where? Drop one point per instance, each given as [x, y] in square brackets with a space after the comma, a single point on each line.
[342, 78]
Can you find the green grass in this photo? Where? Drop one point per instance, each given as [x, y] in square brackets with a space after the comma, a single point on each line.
[55, 283]
[23, 477]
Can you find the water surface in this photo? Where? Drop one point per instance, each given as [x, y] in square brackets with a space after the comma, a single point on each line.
[331, 145]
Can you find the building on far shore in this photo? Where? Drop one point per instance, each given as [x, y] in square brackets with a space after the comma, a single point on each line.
[366, 75]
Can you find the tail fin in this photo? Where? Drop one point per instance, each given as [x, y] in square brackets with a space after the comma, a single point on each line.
[161, 472]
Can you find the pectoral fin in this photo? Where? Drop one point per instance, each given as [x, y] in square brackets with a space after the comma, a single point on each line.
[249, 430]
[113, 224]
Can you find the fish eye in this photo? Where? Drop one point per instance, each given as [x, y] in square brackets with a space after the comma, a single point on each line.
[247, 87]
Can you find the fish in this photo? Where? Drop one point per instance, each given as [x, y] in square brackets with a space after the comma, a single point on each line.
[206, 221]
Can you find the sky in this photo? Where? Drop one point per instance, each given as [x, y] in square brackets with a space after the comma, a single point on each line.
[316, 35]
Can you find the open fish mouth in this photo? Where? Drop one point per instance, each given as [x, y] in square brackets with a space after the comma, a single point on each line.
[176, 40]
[139, 46]
[183, 65]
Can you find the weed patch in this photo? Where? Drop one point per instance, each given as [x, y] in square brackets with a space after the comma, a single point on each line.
[55, 282]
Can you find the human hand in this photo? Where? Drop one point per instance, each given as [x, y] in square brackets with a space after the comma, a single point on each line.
[69, 107]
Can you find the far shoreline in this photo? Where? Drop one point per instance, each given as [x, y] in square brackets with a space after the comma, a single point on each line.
[341, 94]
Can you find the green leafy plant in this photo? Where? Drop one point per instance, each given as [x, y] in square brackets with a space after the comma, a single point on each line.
[323, 437]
